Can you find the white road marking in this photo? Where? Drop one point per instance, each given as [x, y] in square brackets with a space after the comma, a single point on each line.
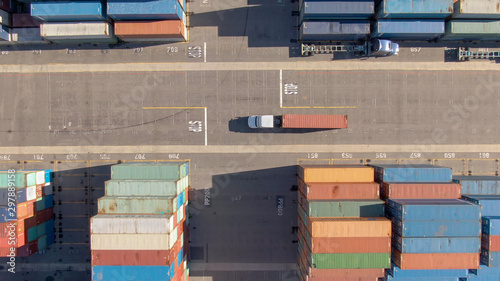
[205, 52]
[206, 133]
[281, 88]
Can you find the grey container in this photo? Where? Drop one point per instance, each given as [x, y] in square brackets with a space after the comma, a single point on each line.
[150, 171]
[472, 30]
[334, 30]
[412, 30]
[416, 9]
[477, 9]
[485, 185]
[328, 10]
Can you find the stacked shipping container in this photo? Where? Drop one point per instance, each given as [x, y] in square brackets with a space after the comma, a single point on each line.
[430, 239]
[342, 233]
[26, 212]
[141, 228]
[335, 20]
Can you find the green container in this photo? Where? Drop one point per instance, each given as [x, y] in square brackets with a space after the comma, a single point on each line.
[136, 205]
[351, 208]
[19, 178]
[40, 204]
[42, 242]
[41, 229]
[150, 171]
[32, 233]
[146, 187]
[363, 260]
[472, 30]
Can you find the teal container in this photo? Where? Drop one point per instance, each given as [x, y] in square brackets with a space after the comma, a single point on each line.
[136, 205]
[472, 30]
[19, 178]
[42, 242]
[146, 187]
[345, 208]
[41, 204]
[41, 229]
[150, 171]
[32, 233]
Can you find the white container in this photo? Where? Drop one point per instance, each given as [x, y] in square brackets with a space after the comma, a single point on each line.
[146, 187]
[40, 176]
[131, 242]
[73, 31]
[132, 224]
[31, 193]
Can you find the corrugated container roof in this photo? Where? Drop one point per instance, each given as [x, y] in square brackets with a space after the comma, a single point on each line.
[416, 8]
[412, 173]
[477, 8]
[336, 173]
[150, 171]
[349, 227]
[491, 225]
[433, 209]
[484, 271]
[68, 11]
[437, 244]
[156, 273]
[146, 187]
[331, 30]
[314, 121]
[343, 8]
[150, 29]
[71, 30]
[132, 224]
[436, 260]
[26, 35]
[131, 241]
[136, 205]
[426, 227]
[145, 10]
[470, 28]
[363, 260]
[397, 272]
[314, 190]
[344, 208]
[401, 27]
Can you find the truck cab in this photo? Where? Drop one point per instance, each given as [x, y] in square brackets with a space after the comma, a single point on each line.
[383, 48]
[261, 121]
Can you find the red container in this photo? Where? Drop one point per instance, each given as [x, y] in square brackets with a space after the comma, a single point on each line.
[491, 242]
[131, 257]
[436, 261]
[314, 121]
[421, 190]
[150, 29]
[39, 191]
[24, 20]
[318, 191]
[5, 5]
[30, 222]
[44, 215]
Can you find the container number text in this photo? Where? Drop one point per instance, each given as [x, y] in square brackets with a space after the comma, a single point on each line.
[38, 157]
[415, 50]
[71, 156]
[173, 156]
[312, 155]
[172, 49]
[415, 155]
[105, 156]
[380, 155]
[484, 155]
[5, 157]
[449, 155]
[140, 157]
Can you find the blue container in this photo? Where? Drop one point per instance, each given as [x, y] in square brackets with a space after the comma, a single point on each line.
[329, 10]
[4, 197]
[49, 201]
[49, 227]
[412, 173]
[334, 30]
[490, 204]
[437, 245]
[4, 33]
[400, 273]
[145, 10]
[481, 278]
[68, 11]
[180, 257]
[439, 228]
[411, 30]
[485, 271]
[433, 209]
[21, 195]
[416, 9]
[490, 259]
[487, 185]
[131, 273]
[48, 176]
[491, 225]
[430, 278]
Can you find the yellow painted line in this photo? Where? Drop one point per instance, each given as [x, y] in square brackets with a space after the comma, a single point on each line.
[174, 107]
[319, 107]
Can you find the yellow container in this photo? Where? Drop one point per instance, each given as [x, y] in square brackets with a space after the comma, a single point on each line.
[336, 173]
[349, 227]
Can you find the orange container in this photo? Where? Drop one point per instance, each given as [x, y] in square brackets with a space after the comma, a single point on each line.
[150, 29]
[436, 261]
[491, 242]
[336, 173]
[421, 190]
[320, 245]
[349, 227]
[25, 210]
[318, 191]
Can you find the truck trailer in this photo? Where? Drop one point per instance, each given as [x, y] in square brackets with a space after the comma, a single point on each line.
[289, 121]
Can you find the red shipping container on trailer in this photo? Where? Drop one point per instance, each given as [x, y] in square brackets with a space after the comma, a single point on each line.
[314, 121]
[491, 242]
[421, 190]
[318, 191]
[436, 261]
[150, 29]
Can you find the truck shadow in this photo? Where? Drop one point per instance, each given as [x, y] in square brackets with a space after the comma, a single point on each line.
[240, 125]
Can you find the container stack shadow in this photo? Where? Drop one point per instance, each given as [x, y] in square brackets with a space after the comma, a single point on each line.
[343, 234]
[141, 230]
[26, 212]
